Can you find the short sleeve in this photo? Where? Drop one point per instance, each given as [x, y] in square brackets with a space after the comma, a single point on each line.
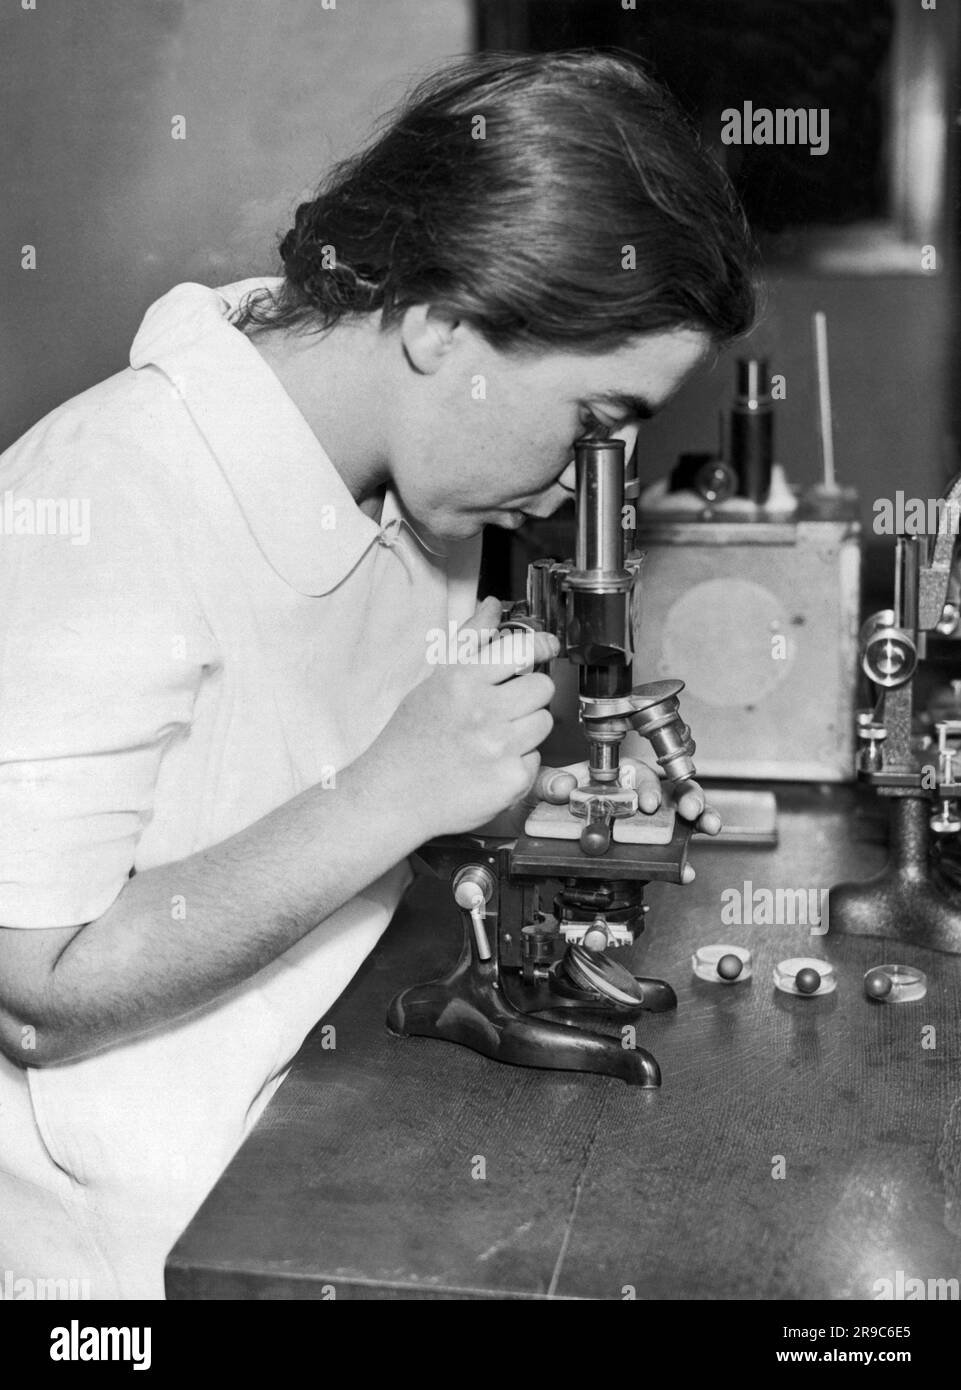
[102, 650]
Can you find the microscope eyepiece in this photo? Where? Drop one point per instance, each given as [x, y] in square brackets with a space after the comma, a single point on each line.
[599, 465]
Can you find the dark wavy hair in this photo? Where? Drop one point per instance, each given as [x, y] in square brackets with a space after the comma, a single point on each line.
[525, 223]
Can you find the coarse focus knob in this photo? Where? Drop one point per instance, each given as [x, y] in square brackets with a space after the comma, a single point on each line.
[473, 887]
[889, 655]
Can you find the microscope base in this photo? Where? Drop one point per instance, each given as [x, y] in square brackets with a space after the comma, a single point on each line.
[905, 902]
[470, 1006]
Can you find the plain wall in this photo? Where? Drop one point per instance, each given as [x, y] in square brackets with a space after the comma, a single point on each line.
[272, 91]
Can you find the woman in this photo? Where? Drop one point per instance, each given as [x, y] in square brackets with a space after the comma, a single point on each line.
[221, 737]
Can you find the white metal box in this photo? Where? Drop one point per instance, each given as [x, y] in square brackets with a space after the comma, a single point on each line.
[760, 620]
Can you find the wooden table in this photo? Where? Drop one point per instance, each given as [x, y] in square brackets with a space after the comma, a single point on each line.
[362, 1177]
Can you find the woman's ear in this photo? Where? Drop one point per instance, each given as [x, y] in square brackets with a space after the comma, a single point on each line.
[428, 335]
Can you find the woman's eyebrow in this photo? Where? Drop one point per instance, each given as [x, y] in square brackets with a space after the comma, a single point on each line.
[635, 406]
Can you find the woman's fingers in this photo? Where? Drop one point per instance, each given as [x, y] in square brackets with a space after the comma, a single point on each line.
[644, 779]
[529, 732]
[690, 796]
[530, 692]
[690, 800]
[692, 806]
[515, 651]
[499, 653]
[485, 620]
[709, 821]
[553, 784]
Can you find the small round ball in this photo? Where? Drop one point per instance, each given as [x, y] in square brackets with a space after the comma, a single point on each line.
[877, 984]
[807, 981]
[730, 966]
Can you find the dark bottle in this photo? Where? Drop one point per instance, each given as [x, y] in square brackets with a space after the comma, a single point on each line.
[752, 430]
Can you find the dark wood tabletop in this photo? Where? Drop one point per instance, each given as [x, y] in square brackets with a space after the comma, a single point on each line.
[363, 1180]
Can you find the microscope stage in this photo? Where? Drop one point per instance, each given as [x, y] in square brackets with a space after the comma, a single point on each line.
[549, 822]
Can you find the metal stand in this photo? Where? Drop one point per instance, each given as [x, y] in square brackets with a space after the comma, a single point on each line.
[510, 971]
[470, 1006]
[909, 901]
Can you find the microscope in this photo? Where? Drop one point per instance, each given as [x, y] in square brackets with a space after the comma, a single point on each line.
[911, 754]
[536, 984]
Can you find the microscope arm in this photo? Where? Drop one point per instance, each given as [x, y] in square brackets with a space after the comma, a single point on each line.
[914, 899]
[935, 576]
